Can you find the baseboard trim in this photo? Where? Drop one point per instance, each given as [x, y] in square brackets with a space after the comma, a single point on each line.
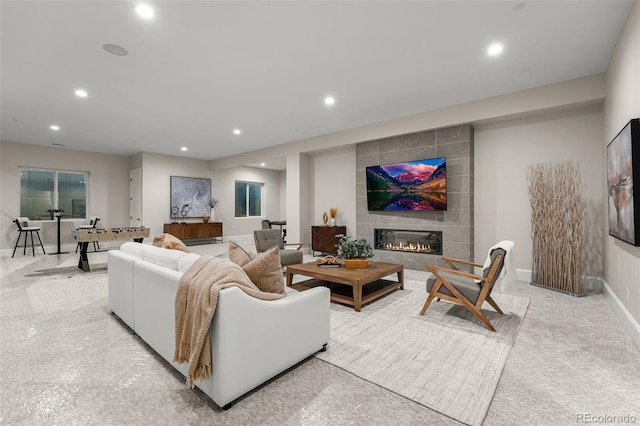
[628, 322]
[598, 284]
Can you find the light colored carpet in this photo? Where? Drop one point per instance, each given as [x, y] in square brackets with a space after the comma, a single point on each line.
[446, 360]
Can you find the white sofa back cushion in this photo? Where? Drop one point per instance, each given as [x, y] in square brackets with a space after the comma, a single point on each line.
[134, 249]
[163, 257]
[185, 262]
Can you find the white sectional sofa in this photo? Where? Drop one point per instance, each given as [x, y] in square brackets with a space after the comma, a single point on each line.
[252, 340]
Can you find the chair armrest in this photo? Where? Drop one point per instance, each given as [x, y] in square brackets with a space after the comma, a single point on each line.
[436, 269]
[297, 246]
[451, 262]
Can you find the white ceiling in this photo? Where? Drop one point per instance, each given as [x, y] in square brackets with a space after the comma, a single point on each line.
[199, 69]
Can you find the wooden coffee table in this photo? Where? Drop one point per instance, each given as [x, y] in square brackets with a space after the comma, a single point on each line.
[367, 283]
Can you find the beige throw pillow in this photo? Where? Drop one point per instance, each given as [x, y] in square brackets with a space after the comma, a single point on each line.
[170, 242]
[240, 256]
[265, 271]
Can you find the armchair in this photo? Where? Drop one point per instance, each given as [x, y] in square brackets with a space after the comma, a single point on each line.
[264, 239]
[466, 289]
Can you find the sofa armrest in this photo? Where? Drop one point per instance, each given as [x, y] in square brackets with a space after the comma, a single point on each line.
[253, 340]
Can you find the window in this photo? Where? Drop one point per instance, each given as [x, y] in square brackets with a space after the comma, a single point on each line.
[248, 199]
[45, 190]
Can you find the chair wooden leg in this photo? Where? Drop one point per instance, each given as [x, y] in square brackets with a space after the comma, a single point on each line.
[426, 304]
[33, 247]
[24, 246]
[481, 317]
[494, 305]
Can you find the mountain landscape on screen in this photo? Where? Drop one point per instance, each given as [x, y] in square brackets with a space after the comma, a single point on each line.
[411, 185]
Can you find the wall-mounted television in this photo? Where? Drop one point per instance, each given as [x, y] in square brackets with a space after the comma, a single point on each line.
[410, 185]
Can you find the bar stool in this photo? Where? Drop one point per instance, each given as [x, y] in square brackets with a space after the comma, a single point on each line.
[24, 228]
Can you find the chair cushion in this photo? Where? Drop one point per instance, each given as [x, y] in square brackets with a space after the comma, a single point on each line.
[493, 255]
[265, 271]
[290, 257]
[468, 287]
[266, 238]
[240, 256]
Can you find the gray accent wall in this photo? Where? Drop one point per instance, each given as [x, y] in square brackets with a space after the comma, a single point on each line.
[456, 223]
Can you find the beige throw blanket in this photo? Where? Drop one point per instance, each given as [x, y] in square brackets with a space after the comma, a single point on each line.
[196, 301]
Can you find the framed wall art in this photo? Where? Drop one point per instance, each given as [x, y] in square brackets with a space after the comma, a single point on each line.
[190, 197]
[623, 170]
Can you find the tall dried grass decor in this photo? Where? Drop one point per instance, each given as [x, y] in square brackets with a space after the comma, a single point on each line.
[556, 226]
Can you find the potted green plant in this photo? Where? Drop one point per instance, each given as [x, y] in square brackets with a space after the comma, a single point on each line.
[354, 252]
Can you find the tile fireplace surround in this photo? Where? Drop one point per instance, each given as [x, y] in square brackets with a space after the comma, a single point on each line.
[455, 223]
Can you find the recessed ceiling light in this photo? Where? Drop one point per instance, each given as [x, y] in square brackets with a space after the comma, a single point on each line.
[114, 49]
[81, 93]
[236, 131]
[329, 100]
[263, 164]
[54, 127]
[144, 11]
[184, 148]
[495, 49]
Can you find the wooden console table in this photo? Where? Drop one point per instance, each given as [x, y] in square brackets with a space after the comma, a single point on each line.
[195, 233]
[324, 240]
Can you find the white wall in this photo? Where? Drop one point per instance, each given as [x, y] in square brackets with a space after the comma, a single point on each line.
[622, 261]
[108, 188]
[156, 186]
[223, 186]
[503, 153]
[334, 185]
[157, 170]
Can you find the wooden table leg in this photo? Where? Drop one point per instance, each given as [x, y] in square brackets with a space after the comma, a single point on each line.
[83, 263]
[401, 278]
[357, 297]
[289, 278]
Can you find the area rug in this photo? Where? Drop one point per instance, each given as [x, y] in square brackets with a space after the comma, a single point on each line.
[445, 360]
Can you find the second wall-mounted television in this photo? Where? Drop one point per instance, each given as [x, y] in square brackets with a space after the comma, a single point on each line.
[410, 185]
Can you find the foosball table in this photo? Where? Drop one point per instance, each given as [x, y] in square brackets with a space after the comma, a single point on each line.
[86, 236]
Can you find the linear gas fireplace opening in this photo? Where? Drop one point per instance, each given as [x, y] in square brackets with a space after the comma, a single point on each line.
[428, 242]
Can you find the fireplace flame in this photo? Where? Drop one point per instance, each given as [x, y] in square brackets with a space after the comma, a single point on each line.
[409, 246]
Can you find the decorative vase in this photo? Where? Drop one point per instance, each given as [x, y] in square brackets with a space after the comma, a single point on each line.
[205, 219]
[356, 263]
[325, 217]
[333, 221]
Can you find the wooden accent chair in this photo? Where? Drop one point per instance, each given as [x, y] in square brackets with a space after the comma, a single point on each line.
[267, 238]
[463, 288]
[24, 228]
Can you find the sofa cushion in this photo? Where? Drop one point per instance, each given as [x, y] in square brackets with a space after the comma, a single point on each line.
[170, 242]
[163, 257]
[265, 271]
[134, 249]
[240, 256]
[185, 262]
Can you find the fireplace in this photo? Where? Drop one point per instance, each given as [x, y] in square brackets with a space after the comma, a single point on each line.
[428, 242]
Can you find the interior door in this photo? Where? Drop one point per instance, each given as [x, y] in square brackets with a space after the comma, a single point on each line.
[135, 197]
